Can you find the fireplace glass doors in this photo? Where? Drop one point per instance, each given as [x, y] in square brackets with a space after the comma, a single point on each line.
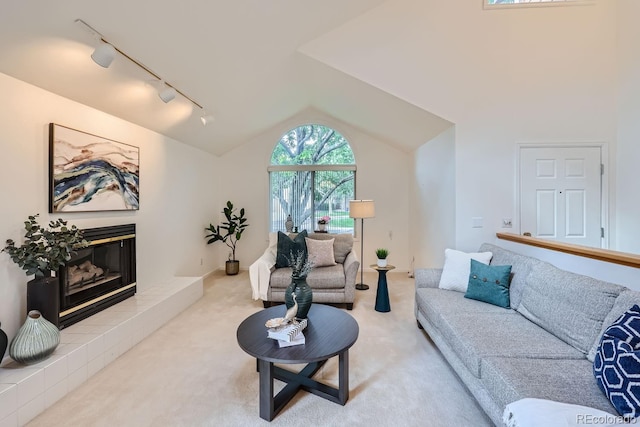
[99, 275]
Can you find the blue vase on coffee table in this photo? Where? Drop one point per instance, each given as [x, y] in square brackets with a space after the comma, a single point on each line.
[304, 296]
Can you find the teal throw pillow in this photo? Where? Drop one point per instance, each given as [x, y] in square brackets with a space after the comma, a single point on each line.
[489, 283]
[288, 246]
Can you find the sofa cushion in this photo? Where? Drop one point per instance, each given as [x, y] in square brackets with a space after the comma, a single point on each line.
[626, 299]
[489, 283]
[563, 380]
[617, 363]
[474, 336]
[457, 264]
[568, 305]
[288, 246]
[434, 302]
[320, 252]
[319, 278]
[521, 265]
[342, 244]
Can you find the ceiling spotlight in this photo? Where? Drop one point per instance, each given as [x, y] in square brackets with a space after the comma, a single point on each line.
[206, 118]
[104, 54]
[167, 93]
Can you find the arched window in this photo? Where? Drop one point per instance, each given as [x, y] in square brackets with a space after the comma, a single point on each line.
[312, 175]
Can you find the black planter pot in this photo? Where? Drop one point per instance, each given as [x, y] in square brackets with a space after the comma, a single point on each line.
[43, 294]
[232, 267]
[3, 343]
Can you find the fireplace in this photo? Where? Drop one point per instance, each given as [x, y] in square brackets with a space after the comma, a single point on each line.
[100, 275]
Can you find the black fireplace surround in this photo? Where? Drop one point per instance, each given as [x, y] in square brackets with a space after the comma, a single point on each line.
[100, 275]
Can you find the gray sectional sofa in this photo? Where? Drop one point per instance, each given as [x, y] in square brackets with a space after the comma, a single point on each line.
[543, 347]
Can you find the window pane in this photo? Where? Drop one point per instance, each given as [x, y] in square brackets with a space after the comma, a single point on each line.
[333, 190]
[308, 196]
[290, 195]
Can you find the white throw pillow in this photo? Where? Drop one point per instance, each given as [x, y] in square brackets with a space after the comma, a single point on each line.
[320, 252]
[457, 265]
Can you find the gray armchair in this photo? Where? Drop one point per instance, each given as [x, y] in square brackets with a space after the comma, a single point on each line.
[330, 284]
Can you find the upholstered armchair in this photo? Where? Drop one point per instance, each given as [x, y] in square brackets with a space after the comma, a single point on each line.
[333, 279]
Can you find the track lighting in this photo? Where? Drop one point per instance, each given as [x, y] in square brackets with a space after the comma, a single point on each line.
[206, 118]
[167, 93]
[104, 54]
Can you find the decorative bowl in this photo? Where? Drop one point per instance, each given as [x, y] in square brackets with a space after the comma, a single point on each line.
[276, 322]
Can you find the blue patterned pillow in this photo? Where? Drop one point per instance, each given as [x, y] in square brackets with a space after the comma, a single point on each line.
[617, 363]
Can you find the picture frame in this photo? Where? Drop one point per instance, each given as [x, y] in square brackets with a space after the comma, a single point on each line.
[89, 173]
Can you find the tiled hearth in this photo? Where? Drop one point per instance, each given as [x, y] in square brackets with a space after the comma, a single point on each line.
[88, 346]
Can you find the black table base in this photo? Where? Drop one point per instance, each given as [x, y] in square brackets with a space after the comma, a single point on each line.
[271, 405]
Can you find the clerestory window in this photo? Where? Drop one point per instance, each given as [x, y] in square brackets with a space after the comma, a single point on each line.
[528, 3]
[312, 176]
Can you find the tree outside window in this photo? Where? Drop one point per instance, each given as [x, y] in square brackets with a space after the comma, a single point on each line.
[311, 176]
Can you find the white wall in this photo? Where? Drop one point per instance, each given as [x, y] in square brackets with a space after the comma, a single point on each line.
[628, 191]
[432, 208]
[382, 175]
[178, 190]
[609, 272]
[502, 76]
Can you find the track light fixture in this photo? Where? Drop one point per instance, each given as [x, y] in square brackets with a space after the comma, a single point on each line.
[206, 118]
[167, 93]
[105, 53]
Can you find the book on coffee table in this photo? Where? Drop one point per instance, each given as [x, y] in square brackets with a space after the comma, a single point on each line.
[287, 333]
[297, 340]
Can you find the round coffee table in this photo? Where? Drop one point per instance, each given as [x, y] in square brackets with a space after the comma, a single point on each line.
[330, 332]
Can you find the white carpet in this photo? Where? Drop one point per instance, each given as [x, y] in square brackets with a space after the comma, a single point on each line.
[191, 372]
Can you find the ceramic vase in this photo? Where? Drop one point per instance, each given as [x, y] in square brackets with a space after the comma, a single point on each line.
[36, 339]
[3, 343]
[288, 224]
[322, 227]
[304, 296]
[382, 262]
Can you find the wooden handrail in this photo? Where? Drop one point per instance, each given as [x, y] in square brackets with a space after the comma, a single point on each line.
[623, 258]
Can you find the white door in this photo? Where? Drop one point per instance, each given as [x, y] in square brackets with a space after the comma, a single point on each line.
[560, 194]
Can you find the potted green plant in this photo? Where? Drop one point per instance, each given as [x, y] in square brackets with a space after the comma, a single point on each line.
[382, 254]
[229, 232]
[45, 250]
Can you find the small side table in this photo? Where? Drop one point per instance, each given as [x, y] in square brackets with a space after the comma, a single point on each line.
[382, 294]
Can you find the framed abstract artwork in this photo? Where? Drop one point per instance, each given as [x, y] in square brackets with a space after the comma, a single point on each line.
[90, 173]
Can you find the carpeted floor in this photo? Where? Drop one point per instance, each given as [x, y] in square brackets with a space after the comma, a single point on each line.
[191, 372]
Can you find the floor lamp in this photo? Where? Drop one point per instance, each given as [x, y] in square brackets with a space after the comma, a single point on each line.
[361, 209]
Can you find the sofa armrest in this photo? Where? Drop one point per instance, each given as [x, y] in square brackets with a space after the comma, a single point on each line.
[428, 277]
[351, 266]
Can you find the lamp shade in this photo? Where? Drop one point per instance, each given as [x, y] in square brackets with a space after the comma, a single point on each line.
[104, 54]
[361, 209]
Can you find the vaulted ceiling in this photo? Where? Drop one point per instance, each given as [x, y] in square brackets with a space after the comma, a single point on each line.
[238, 59]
